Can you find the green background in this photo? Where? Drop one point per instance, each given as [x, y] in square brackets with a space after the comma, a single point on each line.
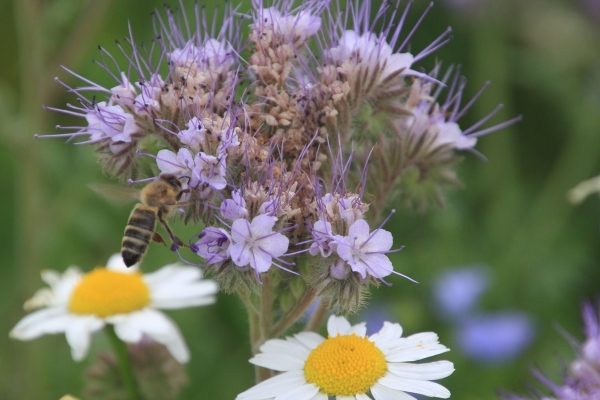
[543, 59]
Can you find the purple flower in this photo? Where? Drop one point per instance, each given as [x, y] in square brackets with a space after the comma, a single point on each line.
[373, 53]
[194, 135]
[210, 170]
[458, 290]
[213, 245]
[148, 99]
[323, 239]
[256, 244]
[496, 338]
[124, 93]
[212, 55]
[365, 252]
[109, 121]
[180, 164]
[295, 28]
[235, 207]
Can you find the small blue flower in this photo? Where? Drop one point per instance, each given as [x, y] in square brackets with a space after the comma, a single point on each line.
[497, 337]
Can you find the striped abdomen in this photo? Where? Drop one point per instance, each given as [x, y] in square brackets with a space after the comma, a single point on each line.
[138, 234]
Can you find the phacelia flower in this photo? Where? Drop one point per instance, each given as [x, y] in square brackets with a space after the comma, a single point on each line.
[106, 121]
[255, 243]
[213, 245]
[210, 171]
[365, 251]
[373, 53]
[80, 304]
[350, 365]
[582, 378]
[180, 164]
[235, 207]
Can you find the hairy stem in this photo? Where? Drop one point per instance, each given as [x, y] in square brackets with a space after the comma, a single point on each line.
[265, 323]
[294, 314]
[120, 350]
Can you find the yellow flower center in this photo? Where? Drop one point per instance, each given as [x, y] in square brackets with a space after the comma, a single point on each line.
[345, 365]
[104, 292]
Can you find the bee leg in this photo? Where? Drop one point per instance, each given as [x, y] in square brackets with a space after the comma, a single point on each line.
[176, 241]
[158, 238]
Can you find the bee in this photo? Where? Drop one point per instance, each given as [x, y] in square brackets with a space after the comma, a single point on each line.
[157, 202]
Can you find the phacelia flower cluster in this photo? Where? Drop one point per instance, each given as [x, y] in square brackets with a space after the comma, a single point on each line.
[265, 118]
[581, 377]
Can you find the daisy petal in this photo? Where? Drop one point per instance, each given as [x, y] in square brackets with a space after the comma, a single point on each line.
[274, 386]
[79, 333]
[338, 325]
[388, 332]
[278, 346]
[381, 392]
[161, 329]
[358, 329]
[41, 322]
[428, 371]
[426, 388]
[304, 392]
[309, 339]
[362, 396]
[278, 362]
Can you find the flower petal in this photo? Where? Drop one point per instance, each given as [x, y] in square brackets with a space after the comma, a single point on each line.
[338, 325]
[381, 392]
[389, 331]
[359, 329]
[158, 327]
[240, 253]
[304, 392]
[426, 388]
[79, 333]
[274, 386]
[42, 322]
[309, 339]
[359, 231]
[427, 371]
[262, 225]
[175, 286]
[275, 244]
[116, 263]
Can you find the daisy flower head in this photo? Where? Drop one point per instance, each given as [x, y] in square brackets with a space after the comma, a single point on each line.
[348, 364]
[80, 304]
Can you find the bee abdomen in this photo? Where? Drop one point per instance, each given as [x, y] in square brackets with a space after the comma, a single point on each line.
[138, 233]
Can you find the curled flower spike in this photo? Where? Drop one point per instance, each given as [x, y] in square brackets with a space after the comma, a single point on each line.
[80, 304]
[350, 365]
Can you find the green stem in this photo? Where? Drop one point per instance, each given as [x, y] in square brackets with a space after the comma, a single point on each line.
[265, 322]
[316, 320]
[266, 305]
[120, 349]
[293, 316]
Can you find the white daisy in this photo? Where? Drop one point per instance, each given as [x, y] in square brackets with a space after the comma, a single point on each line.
[79, 304]
[348, 364]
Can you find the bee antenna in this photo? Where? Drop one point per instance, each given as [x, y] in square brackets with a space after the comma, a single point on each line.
[132, 182]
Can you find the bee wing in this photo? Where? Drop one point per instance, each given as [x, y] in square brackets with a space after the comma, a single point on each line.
[117, 195]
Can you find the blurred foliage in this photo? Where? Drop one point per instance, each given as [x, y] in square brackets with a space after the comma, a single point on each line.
[543, 59]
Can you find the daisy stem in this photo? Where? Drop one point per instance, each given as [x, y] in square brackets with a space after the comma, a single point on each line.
[316, 320]
[292, 316]
[122, 354]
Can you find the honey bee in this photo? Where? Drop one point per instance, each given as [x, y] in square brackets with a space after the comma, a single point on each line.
[157, 202]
